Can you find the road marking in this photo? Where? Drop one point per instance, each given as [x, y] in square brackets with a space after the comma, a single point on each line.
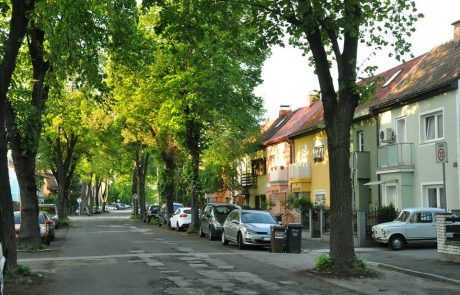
[71, 258]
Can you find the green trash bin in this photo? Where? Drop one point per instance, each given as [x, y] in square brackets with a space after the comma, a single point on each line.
[277, 233]
[294, 238]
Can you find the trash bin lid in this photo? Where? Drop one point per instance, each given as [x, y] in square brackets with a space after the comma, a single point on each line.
[295, 225]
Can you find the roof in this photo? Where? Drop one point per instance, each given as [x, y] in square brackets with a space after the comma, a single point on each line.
[313, 121]
[434, 73]
[292, 124]
[276, 125]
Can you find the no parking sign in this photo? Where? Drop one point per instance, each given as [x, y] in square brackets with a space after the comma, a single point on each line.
[441, 152]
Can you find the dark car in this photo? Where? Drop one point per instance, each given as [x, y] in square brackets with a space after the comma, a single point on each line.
[151, 212]
[213, 217]
[163, 215]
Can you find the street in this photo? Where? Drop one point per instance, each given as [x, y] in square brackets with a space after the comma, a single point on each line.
[111, 254]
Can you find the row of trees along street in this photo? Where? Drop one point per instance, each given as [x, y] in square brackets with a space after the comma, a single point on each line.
[132, 93]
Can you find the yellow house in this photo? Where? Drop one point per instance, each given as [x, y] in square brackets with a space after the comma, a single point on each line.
[309, 169]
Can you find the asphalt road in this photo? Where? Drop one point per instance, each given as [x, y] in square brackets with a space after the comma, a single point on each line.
[111, 254]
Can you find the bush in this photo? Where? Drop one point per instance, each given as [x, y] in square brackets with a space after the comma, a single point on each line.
[360, 264]
[323, 262]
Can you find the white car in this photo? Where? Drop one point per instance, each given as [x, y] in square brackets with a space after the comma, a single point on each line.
[412, 226]
[248, 227]
[2, 266]
[181, 219]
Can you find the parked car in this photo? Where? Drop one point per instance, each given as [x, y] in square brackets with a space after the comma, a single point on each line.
[163, 216]
[213, 217]
[45, 223]
[2, 269]
[181, 218]
[412, 226]
[52, 227]
[247, 227]
[151, 212]
[52, 210]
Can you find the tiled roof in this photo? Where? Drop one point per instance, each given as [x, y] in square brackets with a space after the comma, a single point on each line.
[436, 70]
[313, 121]
[275, 125]
[292, 124]
[382, 91]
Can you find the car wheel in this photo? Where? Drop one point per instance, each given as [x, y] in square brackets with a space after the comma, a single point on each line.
[210, 234]
[396, 243]
[224, 239]
[200, 232]
[177, 226]
[241, 245]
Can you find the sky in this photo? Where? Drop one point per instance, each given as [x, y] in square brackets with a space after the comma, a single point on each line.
[288, 79]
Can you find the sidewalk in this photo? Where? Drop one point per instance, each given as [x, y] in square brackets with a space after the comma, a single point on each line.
[420, 261]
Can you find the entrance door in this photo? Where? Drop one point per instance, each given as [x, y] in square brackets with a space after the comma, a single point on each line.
[316, 223]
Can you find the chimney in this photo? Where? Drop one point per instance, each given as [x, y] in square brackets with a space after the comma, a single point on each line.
[456, 30]
[312, 97]
[284, 110]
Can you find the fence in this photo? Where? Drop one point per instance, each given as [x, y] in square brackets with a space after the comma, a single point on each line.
[376, 216]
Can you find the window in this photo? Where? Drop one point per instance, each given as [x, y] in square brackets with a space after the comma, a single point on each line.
[388, 82]
[304, 153]
[434, 196]
[318, 153]
[432, 126]
[400, 130]
[390, 195]
[360, 135]
[320, 198]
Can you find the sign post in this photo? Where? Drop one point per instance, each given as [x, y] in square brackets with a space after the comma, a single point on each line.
[79, 206]
[441, 157]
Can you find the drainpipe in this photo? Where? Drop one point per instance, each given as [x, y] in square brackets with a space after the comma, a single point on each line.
[379, 191]
[458, 141]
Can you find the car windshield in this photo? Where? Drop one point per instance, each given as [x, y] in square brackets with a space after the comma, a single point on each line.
[250, 217]
[403, 216]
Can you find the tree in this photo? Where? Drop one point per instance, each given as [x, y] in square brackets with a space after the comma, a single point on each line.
[208, 62]
[330, 31]
[10, 49]
[75, 33]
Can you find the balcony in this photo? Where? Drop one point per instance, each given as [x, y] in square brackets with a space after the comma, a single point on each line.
[397, 157]
[278, 176]
[248, 180]
[299, 171]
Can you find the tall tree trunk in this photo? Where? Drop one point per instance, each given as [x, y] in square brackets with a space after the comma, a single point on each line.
[64, 168]
[166, 179]
[134, 187]
[24, 147]
[89, 196]
[142, 174]
[17, 31]
[193, 138]
[98, 188]
[105, 194]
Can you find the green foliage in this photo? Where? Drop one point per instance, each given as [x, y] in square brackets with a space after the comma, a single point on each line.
[323, 262]
[360, 264]
[64, 221]
[52, 199]
[298, 203]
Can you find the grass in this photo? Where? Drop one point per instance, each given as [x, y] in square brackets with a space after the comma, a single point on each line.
[324, 266]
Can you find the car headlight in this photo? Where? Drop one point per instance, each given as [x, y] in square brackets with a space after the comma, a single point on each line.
[250, 231]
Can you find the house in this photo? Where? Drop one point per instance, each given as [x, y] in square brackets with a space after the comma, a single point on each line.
[422, 111]
[364, 136]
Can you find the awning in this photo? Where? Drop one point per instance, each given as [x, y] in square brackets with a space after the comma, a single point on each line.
[378, 182]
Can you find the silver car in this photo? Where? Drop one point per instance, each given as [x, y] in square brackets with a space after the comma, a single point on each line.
[2, 266]
[247, 227]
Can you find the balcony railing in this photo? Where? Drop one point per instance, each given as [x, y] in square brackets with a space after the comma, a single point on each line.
[278, 176]
[395, 156]
[299, 170]
[248, 180]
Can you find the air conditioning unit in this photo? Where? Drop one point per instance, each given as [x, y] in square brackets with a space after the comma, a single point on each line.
[386, 135]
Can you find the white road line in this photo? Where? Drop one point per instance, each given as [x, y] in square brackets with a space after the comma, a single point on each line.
[128, 256]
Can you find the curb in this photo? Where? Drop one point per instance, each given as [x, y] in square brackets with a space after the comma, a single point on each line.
[417, 273]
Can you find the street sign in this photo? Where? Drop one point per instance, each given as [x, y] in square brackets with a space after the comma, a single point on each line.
[79, 200]
[441, 152]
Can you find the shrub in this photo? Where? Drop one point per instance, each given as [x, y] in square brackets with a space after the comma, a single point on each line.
[323, 262]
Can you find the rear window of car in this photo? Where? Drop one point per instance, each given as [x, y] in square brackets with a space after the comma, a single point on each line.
[17, 218]
[188, 211]
[223, 210]
[41, 219]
